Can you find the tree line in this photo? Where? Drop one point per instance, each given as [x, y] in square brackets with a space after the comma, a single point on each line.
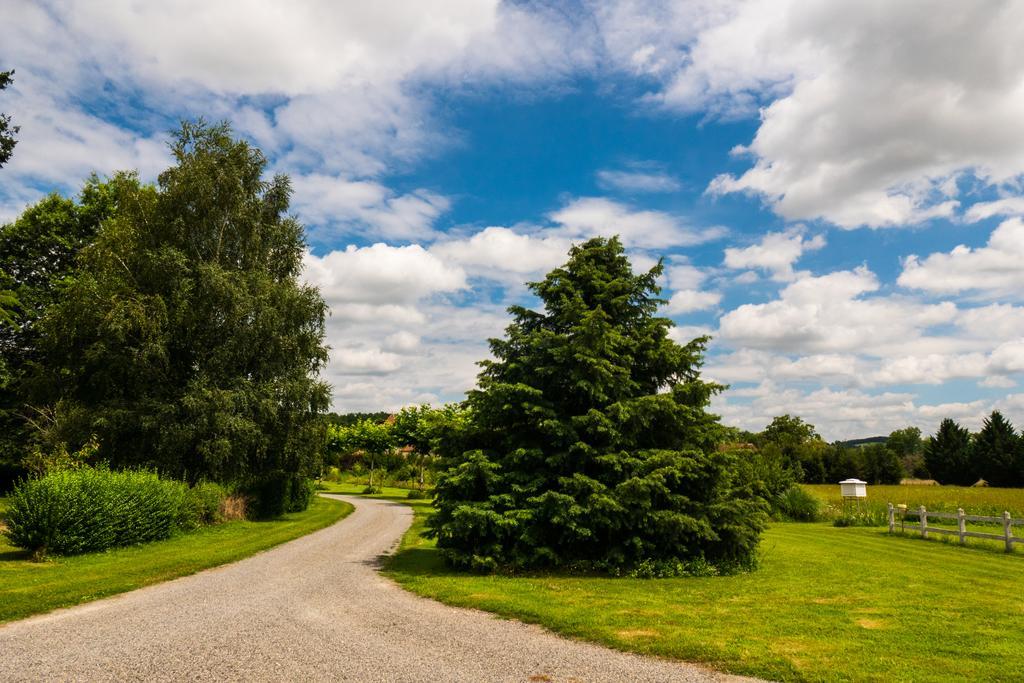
[165, 323]
[953, 455]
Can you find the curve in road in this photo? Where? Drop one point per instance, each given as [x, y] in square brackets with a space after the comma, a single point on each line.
[312, 609]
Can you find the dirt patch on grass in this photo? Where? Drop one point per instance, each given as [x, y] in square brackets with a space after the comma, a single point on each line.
[870, 623]
[636, 633]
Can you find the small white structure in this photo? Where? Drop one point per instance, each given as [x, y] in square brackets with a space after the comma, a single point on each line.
[853, 488]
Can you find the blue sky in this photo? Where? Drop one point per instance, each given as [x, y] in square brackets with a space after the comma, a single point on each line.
[836, 194]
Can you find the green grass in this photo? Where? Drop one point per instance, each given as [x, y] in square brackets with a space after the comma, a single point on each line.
[28, 588]
[980, 500]
[826, 604]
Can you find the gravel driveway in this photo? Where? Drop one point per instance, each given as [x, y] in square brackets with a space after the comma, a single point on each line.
[311, 609]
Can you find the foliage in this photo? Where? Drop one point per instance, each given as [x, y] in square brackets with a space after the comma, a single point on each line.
[371, 440]
[278, 492]
[207, 500]
[881, 465]
[908, 446]
[7, 131]
[38, 256]
[349, 419]
[40, 462]
[799, 444]
[416, 494]
[796, 505]
[996, 451]
[588, 441]
[32, 588]
[948, 454]
[186, 341]
[68, 512]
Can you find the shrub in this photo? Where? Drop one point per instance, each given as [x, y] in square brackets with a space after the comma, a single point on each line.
[68, 512]
[416, 494]
[300, 493]
[277, 492]
[369, 490]
[796, 505]
[207, 499]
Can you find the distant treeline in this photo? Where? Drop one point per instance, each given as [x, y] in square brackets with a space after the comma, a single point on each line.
[349, 419]
[953, 455]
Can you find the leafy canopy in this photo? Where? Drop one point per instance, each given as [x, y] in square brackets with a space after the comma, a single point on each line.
[587, 441]
[7, 131]
[186, 342]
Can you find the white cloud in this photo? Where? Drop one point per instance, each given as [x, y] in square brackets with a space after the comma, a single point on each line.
[1007, 206]
[637, 179]
[830, 313]
[689, 300]
[866, 113]
[381, 274]
[504, 254]
[994, 270]
[775, 253]
[362, 206]
[599, 216]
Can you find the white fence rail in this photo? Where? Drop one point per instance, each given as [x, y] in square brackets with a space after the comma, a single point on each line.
[961, 531]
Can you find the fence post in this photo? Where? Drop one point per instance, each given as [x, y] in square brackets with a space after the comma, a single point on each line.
[924, 521]
[892, 519]
[1008, 531]
[961, 524]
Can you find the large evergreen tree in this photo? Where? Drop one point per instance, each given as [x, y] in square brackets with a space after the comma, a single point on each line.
[996, 452]
[947, 454]
[589, 442]
[186, 342]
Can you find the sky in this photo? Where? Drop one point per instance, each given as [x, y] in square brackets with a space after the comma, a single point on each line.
[835, 189]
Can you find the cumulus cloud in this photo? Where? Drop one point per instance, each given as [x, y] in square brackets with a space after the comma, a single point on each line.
[994, 270]
[599, 216]
[775, 253]
[866, 113]
[504, 254]
[689, 300]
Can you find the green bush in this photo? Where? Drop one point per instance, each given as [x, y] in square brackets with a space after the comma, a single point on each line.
[370, 490]
[277, 492]
[300, 493]
[206, 499]
[83, 510]
[416, 494]
[796, 505]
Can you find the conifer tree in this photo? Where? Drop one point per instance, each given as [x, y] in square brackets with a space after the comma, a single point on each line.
[996, 452]
[588, 442]
[947, 454]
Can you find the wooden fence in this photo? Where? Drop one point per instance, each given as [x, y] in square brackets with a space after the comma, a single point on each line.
[961, 531]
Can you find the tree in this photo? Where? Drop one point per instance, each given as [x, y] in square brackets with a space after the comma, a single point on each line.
[38, 256]
[588, 441]
[186, 342]
[947, 454]
[881, 464]
[996, 452]
[7, 131]
[372, 439]
[906, 443]
[800, 444]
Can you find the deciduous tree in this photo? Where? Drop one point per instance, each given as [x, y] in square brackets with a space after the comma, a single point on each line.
[186, 341]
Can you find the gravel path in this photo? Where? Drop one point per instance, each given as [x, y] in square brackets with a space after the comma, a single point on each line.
[311, 609]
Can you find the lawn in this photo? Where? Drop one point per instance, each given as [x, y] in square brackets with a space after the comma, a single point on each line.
[33, 587]
[827, 604]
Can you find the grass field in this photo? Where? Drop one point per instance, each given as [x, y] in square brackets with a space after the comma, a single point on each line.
[33, 587]
[826, 604]
[980, 500]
